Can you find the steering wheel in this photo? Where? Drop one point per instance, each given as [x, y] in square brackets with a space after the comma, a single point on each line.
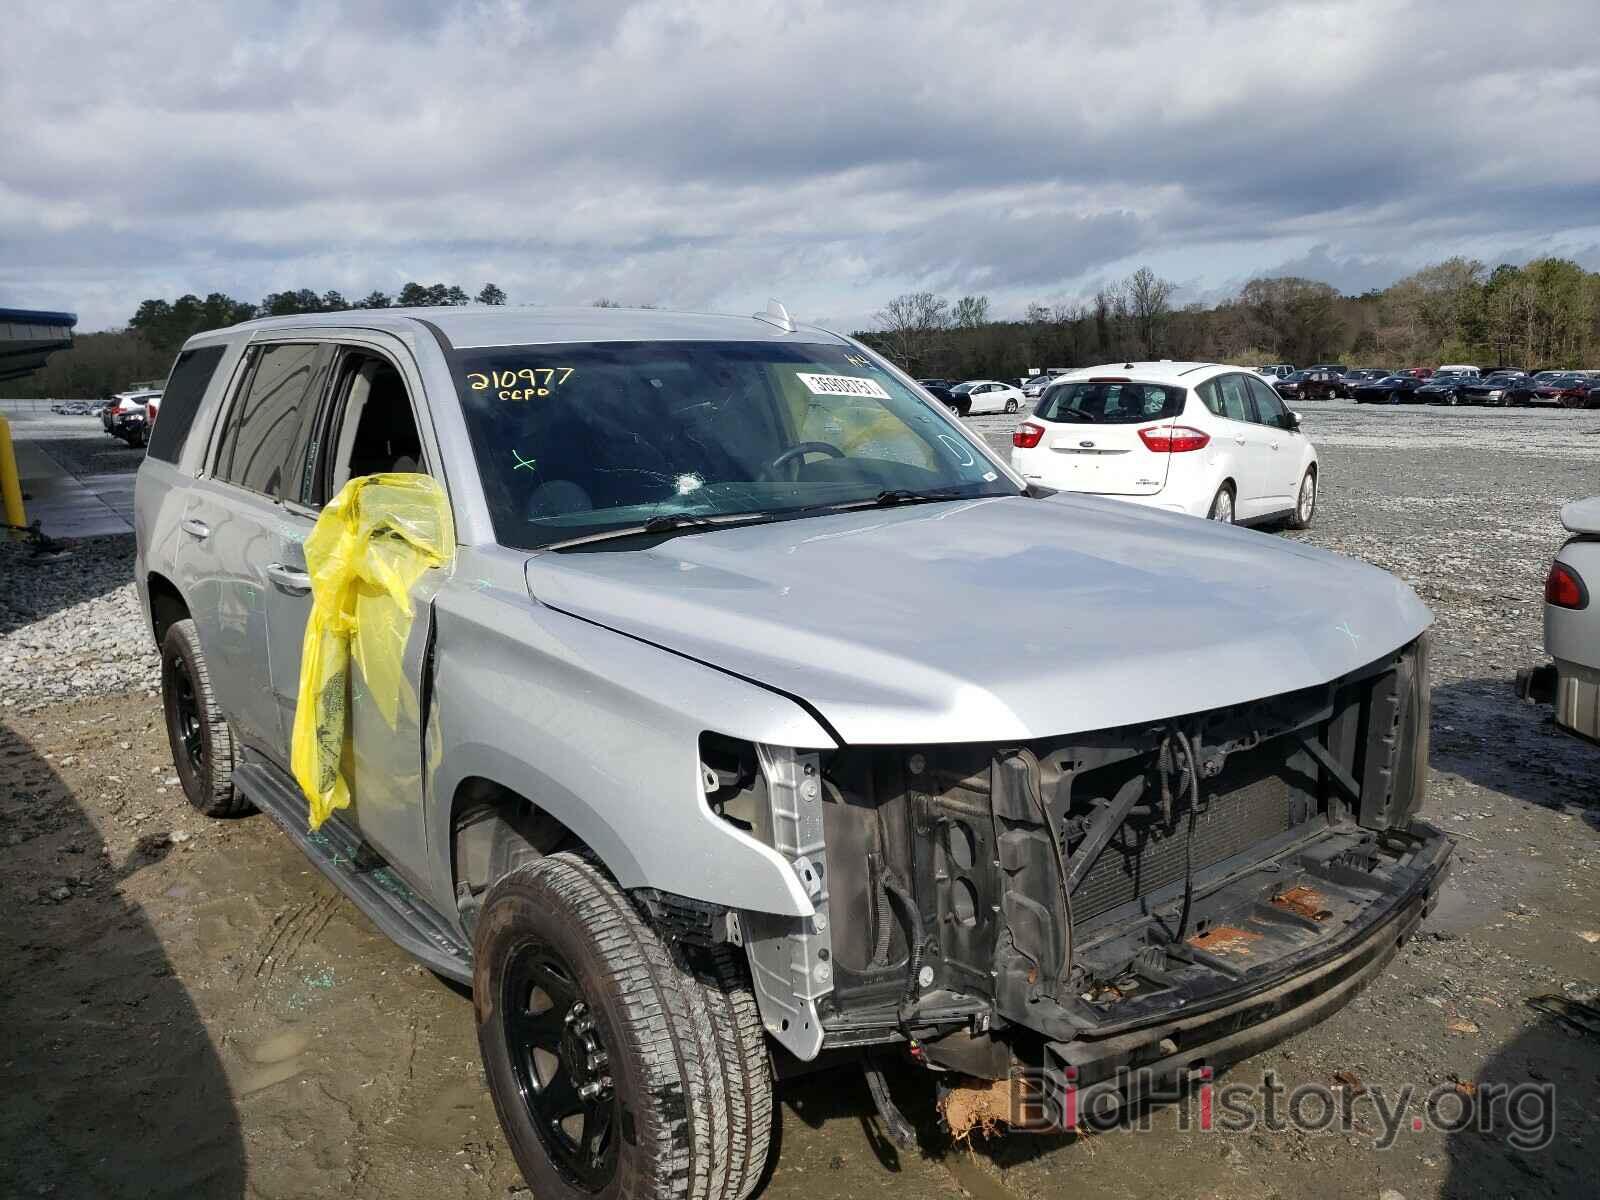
[800, 450]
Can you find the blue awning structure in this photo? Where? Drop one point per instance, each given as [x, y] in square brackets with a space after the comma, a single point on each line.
[28, 337]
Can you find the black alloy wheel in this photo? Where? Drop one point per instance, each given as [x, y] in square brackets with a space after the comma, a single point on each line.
[560, 1059]
[186, 713]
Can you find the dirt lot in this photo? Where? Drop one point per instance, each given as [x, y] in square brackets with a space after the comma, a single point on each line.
[190, 1010]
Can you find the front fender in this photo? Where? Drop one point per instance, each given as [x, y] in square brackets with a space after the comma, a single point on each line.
[601, 731]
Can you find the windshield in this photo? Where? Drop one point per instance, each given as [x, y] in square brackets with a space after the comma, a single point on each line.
[1110, 403]
[582, 439]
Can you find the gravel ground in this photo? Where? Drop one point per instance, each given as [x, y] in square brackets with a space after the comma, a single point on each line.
[70, 628]
[218, 1021]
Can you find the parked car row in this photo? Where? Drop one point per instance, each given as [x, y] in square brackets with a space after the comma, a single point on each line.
[1450, 384]
[1564, 389]
[76, 408]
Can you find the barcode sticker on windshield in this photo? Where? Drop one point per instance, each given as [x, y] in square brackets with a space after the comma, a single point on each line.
[842, 385]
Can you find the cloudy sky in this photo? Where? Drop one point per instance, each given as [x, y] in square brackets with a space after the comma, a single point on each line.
[708, 155]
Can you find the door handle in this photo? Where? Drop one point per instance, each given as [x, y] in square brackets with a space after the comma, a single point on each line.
[289, 579]
[196, 529]
[1239, 438]
[1274, 445]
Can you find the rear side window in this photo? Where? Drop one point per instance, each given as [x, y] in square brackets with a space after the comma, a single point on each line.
[267, 424]
[191, 374]
[1234, 400]
[1110, 402]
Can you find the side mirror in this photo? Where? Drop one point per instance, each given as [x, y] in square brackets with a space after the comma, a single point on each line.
[1294, 420]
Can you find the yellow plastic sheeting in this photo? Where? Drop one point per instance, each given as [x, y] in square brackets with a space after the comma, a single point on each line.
[368, 549]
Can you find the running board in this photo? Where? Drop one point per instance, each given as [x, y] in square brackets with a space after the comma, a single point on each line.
[363, 875]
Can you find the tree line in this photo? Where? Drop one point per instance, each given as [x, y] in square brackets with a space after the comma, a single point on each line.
[100, 364]
[1543, 314]
[167, 324]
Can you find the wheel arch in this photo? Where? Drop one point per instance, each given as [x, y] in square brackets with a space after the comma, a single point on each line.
[494, 829]
[167, 605]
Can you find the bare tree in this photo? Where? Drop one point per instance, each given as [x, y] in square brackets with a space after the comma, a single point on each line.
[970, 312]
[1149, 299]
[912, 323]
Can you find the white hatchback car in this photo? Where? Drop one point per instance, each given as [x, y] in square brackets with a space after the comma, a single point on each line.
[1198, 438]
[990, 396]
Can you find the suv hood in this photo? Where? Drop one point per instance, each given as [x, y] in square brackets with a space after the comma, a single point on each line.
[995, 619]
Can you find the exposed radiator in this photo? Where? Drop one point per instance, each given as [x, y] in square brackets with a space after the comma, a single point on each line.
[1258, 795]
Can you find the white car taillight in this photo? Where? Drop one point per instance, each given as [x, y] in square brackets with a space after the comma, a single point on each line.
[1174, 439]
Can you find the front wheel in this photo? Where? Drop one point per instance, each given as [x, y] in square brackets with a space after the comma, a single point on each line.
[1222, 506]
[615, 1069]
[1305, 505]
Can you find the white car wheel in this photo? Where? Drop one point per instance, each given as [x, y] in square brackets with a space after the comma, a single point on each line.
[1305, 506]
[1011, 406]
[1222, 506]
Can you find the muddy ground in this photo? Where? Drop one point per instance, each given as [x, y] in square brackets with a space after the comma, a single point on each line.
[187, 1008]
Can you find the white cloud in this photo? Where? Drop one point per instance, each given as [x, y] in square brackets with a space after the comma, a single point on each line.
[707, 155]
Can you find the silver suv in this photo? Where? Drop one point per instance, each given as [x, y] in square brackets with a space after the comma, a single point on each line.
[762, 713]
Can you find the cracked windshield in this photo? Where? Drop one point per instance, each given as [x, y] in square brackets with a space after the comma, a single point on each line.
[578, 441]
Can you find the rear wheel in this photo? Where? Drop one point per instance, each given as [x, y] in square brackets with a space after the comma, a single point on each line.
[202, 743]
[1305, 505]
[615, 1068]
[955, 409]
[1011, 406]
[1222, 505]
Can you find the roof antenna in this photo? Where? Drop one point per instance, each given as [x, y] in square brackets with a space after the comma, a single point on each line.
[776, 314]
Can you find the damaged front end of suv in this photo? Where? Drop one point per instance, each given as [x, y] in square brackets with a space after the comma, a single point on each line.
[1107, 909]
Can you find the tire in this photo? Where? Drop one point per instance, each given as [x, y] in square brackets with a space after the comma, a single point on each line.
[955, 409]
[197, 730]
[746, 1066]
[1222, 506]
[647, 1026]
[1011, 406]
[1305, 505]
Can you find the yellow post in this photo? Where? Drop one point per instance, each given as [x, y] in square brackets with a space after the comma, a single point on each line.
[10, 484]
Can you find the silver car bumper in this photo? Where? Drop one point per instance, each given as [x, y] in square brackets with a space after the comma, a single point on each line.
[1577, 699]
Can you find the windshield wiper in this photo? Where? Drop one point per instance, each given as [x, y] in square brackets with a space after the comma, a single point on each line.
[908, 496]
[667, 523]
[1076, 415]
[887, 498]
